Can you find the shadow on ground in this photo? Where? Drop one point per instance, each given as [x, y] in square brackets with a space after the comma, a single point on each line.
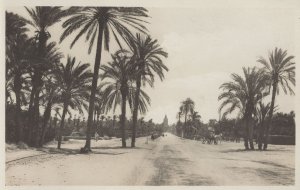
[67, 151]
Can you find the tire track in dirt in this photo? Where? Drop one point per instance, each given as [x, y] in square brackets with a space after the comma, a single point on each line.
[172, 168]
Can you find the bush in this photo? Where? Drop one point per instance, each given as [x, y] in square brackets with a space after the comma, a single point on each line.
[282, 140]
[22, 145]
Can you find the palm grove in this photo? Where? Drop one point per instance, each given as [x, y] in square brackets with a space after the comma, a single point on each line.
[36, 78]
[252, 99]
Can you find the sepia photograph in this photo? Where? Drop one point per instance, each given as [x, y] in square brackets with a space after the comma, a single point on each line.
[148, 94]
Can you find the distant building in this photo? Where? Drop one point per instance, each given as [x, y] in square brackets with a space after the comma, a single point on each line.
[165, 122]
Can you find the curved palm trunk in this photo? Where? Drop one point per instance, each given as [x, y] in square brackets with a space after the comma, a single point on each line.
[123, 119]
[17, 87]
[135, 110]
[266, 137]
[87, 146]
[62, 125]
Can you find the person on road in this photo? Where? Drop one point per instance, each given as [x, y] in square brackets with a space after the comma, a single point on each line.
[96, 136]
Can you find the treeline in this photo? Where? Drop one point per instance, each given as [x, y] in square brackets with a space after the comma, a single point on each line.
[38, 83]
[190, 126]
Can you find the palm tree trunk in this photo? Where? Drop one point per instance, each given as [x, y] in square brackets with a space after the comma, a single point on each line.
[38, 82]
[30, 113]
[36, 112]
[17, 87]
[184, 128]
[246, 133]
[123, 119]
[135, 110]
[87, 146]
[47, 115]
[250, 128]
[62, 125]
[114, 126]
[266, 138]
[261, 134]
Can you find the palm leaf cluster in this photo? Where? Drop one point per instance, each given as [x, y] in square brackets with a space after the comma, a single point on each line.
[114, 21]
[242, 94]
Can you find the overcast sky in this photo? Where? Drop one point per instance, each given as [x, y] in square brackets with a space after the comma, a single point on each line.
[205, 45]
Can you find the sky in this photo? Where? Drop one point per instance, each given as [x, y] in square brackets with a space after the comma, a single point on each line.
[205, 45]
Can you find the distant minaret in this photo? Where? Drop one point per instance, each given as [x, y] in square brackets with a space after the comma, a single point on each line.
[165, 122]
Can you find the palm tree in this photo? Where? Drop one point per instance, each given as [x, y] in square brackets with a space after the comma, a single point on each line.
[148, 62]
[187, 107]
[118, 90]
[180, 114]
[74, 81]
[104, 22]
[281, 72]
[243, 94]
[42, 17]
[51, 57]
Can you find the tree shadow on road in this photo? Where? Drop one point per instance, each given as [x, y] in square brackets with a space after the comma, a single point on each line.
[120, 148]
[256, 150]
[68, 151]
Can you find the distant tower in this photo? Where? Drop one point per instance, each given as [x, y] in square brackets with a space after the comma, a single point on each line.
[165, 122]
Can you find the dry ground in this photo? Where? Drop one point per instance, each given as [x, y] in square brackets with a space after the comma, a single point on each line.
[166, 161]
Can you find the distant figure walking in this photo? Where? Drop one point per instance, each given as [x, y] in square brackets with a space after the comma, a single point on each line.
[218, 138]
[96, 136]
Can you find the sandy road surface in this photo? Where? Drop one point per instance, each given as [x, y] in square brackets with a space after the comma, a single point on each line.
[166, 161]
[186, 162]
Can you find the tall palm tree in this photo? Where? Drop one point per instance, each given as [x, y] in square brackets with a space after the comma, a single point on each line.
[42, 17]
[50, 58]
[118, 90]
[188, 106]
[243, 94]
[74, 81]
[281, 72]
[148, 62]
[102, 22]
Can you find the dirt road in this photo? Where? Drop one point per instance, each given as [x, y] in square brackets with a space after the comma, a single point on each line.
[166, 161]
[185, 162]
